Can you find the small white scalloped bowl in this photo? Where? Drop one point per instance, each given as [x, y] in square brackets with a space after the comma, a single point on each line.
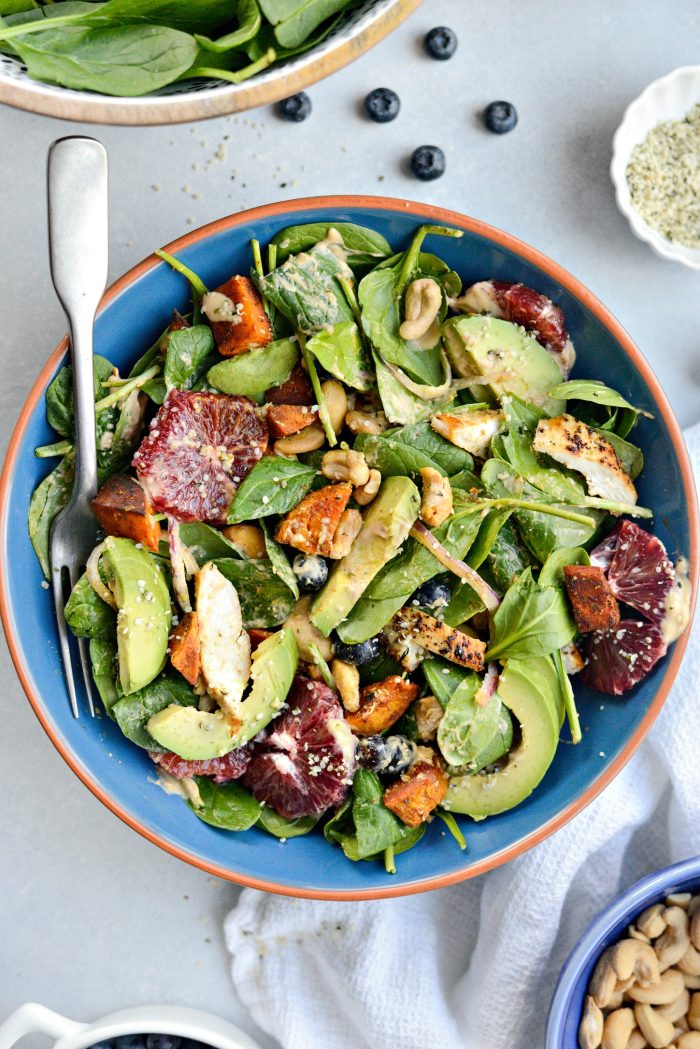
[668, 98]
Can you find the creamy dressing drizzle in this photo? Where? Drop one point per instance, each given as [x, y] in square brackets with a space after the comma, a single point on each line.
[677, 614]
[186, 789]
[220, 309]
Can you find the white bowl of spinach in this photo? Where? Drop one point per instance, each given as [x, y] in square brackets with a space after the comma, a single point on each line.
[162, 61]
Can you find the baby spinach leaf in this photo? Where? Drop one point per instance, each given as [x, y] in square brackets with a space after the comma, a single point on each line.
[489, 531]
[447, 457]
[265, 599]
[60, 411]
[123, 60]
[105, 671]
[305, 289]
[187, 354]
[273, 486]
[117, 444]
[364, 827]
[247, 14]
[464, 603]
[280, 827]
[225, 805]
[393, 458]
[295, 20]
[508, 556]
[467, 727]
[530, 621]
[552, 572]
[595, 391]
[48, 498]
[363, 246]
[399, 404]
[278, 560]
[204, 542]
[443, 678]
[194, 16]
[340, 351]
[9, 7]
[630, 456]
[251, 374]
[133, 712]
[88, 615]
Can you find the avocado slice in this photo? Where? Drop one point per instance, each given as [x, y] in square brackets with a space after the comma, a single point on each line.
[197, 735]
[143, 619]
[509, 359]
[387, 523]
[526, 693]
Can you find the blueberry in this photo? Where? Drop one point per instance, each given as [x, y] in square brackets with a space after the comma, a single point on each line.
[105, 1045]
[359, 654]
[440, 43]
[311, 571]
[434, 594]
[427, 163]
[382, 105]
[163, 1041]
[500, 117]
[386, 755]
[130, 1041]
[296, 107]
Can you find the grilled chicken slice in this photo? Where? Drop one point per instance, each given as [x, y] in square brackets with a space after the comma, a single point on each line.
[411, 632]
[472, 431]
[224, 646]
[576, 446]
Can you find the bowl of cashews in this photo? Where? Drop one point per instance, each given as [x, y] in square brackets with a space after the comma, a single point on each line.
[633, 979]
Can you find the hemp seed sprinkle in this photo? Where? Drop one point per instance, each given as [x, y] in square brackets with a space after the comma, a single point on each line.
[663, 176]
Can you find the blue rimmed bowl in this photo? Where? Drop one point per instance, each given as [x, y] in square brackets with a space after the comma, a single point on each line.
[135, 310]
[610, 925]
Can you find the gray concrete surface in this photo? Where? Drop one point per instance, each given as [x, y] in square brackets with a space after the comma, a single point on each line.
[92, 917]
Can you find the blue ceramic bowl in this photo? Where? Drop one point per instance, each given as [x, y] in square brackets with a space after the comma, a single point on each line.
[135, 310]
[610, 926]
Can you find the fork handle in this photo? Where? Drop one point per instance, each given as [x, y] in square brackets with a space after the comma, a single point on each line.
[77, 203]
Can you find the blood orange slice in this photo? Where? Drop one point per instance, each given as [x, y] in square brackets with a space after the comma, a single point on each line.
[618, 659]
[232, 766]
[640, 572]
[304, 765]
[199, 448]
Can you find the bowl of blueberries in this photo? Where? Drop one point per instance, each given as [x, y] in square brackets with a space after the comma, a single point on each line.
[144, 1027]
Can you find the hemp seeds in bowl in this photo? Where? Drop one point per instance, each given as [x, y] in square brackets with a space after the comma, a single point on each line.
[656, 166]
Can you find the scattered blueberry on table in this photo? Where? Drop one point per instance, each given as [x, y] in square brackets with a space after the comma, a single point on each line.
[150, 1041]
[360, 654]
[500, 117]
[295, 108]
[440, 43]
[428, 163]
[382, 105]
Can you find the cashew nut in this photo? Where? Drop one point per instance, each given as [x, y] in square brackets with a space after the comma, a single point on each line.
[637, 1040]
[674, 942]
[668, 989]
[651, 921]
[657, 1030]
[421, 307]
[690, 962]
[249, 538]
[590, 1032]
[347, 681]
[694, 906]
[691, 982]
[694, 1012]
[366, 422]
[604, 980]
[637, 959]
[336, 403]
[428, 714]
[365, 493]
[305, 632]
[679, 899]
[695, 927]
[636, 934]
[349, 525]
[689, 1040]
[617, 1029]
[342, 465]
[309, 439]
[677, 1010]
[436, 500]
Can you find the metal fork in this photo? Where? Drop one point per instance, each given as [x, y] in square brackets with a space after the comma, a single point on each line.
[77, 192]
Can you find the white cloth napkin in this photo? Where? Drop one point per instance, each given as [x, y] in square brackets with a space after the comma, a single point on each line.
[473, 966]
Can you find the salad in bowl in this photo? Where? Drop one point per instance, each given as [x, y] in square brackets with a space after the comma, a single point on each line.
[362, 526]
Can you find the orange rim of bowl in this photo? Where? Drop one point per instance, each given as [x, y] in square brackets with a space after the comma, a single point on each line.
[579, 291]
[212, 102]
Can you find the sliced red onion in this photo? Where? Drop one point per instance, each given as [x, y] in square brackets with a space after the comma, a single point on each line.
[424, 393]
[488, 686]
[487, 594]
[178, 552]
[92, 571]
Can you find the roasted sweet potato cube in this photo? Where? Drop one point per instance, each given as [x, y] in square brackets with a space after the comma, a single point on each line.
[594, 605]
[184, 647]
[417, 793]
[295, 390]
[123, 508]
[311, 525]
[285, 419]
[381, 704]
[251, 329]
